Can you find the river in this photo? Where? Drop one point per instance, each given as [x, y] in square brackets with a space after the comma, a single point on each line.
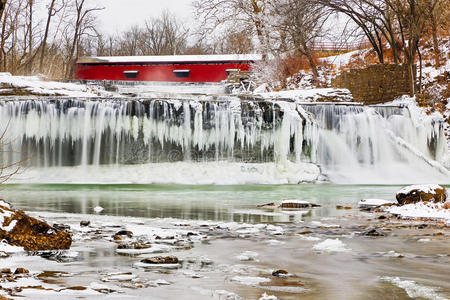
[406, 263]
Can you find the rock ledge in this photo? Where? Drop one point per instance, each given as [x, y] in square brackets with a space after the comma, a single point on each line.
[19, 229]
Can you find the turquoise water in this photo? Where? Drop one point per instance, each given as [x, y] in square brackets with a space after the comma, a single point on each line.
[187, 202]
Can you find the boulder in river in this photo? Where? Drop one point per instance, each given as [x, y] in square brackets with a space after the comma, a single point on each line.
[85, 223]
[19, 229]
[135, 245]
[124, 233]
[280, 273]
[159, 260]
[296, 204]
[421, 193]
[373, 232]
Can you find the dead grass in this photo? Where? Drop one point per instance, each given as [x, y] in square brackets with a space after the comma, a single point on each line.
[294, 66]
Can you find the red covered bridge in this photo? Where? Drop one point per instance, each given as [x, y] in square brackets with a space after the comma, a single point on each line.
[177, 68]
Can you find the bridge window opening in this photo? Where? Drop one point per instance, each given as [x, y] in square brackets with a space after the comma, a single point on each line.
[181, 73]
[130, 74]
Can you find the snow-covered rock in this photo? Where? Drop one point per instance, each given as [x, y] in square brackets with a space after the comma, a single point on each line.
[296, 204]
[419, 193]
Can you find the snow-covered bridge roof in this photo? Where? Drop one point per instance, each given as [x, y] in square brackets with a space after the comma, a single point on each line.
[171, 58]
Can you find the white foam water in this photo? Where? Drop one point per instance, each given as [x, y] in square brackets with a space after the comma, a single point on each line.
[415, 290]
[220, 173]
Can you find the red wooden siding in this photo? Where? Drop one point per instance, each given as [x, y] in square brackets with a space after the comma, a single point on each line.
[164, 71]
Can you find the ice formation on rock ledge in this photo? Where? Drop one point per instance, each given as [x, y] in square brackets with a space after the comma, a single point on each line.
[350, 143]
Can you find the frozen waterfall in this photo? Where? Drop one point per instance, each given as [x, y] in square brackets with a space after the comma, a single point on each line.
[142, 140]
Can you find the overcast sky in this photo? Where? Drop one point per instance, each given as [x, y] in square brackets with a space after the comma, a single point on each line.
[119, 15]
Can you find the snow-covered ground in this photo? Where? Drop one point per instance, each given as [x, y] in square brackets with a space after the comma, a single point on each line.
[311, 95]
[342, 60]
[37, 86]
[432, 211]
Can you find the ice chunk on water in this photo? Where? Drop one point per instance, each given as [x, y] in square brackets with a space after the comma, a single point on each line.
[331, 245]
[248, 256]
[248, 280]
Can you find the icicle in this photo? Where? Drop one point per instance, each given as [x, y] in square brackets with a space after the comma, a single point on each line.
[66, 132]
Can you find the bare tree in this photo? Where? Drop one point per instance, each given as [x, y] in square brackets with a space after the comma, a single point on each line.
[372, 19]
[52, 11]
[301, 24]
[235, 41]
[154, 40]
[84, 20]
[128, 44]
[163, 35]
[437, 15]
[12, 22]
[29, 36]
[411, 18]
[2, 7]
[174, 33]
[221, 15]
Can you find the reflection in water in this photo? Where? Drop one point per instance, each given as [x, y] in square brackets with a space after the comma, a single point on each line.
[224, 203]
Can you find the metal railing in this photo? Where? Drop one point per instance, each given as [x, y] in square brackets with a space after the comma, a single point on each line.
[340, 46]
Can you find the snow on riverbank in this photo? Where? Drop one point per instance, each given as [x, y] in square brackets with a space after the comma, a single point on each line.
[37, 86]
[342, 60]
[430, 210]
[7, 248]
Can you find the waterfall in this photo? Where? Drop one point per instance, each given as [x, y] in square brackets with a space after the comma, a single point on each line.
[350, 143]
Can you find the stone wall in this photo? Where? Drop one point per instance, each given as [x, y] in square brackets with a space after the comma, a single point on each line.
[375, 84]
